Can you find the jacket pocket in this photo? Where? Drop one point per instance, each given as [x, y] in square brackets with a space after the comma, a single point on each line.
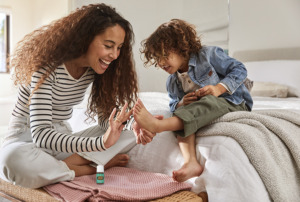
[208, 76]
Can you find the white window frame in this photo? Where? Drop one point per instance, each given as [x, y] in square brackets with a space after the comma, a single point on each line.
[7, 45]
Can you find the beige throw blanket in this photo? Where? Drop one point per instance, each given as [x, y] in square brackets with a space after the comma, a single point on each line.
[271, 140]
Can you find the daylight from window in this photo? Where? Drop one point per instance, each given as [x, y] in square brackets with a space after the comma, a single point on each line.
[3, 40]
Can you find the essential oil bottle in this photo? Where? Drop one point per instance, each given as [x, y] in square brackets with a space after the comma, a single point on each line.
[100, 174]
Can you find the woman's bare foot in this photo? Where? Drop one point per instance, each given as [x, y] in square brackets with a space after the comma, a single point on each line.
[118, 160]
[81, 166]
[187, 171]
[144, 118]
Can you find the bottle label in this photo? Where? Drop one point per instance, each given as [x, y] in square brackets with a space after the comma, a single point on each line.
[100, 178]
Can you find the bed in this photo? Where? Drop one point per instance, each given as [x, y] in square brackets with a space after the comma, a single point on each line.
[232, 171]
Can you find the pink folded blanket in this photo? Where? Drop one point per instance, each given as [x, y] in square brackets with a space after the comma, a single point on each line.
[121, 184]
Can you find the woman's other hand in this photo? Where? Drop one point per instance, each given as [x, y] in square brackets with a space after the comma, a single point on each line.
[144, 136]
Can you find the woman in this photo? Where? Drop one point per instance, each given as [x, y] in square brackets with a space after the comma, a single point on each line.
[54, 66]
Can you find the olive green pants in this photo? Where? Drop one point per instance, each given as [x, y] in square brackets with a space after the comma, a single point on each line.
[202, 112]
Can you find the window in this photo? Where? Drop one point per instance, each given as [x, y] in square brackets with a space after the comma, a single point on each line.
[4, 40]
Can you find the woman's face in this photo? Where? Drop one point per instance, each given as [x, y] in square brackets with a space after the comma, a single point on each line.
[105, 48]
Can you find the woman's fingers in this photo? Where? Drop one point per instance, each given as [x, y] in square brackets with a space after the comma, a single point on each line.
[112, 115]
[124, 108]
[122, 115]
[128, 114]
[147, 136]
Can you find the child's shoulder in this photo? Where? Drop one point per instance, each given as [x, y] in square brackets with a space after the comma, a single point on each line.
[210, 49]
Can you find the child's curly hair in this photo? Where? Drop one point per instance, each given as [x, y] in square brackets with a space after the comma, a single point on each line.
[176, 36]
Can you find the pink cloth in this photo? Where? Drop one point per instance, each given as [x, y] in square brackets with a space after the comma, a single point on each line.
[121, 184]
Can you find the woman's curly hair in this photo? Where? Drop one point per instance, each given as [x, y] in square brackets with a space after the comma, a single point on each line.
[176, 36]
[69, 38]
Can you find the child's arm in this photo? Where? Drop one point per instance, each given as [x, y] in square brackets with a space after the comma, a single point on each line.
[233, 71]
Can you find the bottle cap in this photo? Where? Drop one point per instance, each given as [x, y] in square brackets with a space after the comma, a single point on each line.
[100, 168]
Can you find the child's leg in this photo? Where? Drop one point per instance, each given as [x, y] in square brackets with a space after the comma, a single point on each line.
[81, 166]
[191, 167]
[147, 121]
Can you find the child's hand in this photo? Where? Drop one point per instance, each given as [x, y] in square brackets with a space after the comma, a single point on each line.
[216, 90]
[187, 99]
[116, 126]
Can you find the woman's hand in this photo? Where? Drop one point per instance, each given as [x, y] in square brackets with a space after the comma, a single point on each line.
[116, 126]
[144, 136]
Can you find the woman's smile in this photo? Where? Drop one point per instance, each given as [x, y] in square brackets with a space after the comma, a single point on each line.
[104, 64]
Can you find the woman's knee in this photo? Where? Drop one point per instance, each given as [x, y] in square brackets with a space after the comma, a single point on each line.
[14, 163]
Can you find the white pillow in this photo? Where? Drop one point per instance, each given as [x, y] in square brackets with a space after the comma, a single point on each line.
[269, 89]
[281, 72]
[293, 92]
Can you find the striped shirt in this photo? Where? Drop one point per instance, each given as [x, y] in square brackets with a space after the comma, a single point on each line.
[53, 102]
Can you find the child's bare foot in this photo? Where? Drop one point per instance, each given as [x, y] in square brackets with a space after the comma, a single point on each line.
[144, 118]
[118, 160]
[187, 171]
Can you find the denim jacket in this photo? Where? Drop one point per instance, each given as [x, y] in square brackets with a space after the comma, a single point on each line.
[210, 67]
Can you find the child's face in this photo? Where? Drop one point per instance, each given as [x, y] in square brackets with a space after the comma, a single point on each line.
[173, 63]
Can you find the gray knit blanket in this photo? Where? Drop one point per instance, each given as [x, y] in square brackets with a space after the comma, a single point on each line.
[271, 140]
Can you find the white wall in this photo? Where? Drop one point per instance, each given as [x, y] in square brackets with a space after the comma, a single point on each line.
[264, 24]
[27, 15]
[253, 25]
[46, 11]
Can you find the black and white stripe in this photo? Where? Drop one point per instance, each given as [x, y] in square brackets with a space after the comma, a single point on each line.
[54, 101]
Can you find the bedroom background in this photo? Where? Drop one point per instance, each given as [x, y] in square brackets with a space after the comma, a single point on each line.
[250, 26]
[256, 30]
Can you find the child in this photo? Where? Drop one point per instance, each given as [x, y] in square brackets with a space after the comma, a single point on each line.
[204, 84]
